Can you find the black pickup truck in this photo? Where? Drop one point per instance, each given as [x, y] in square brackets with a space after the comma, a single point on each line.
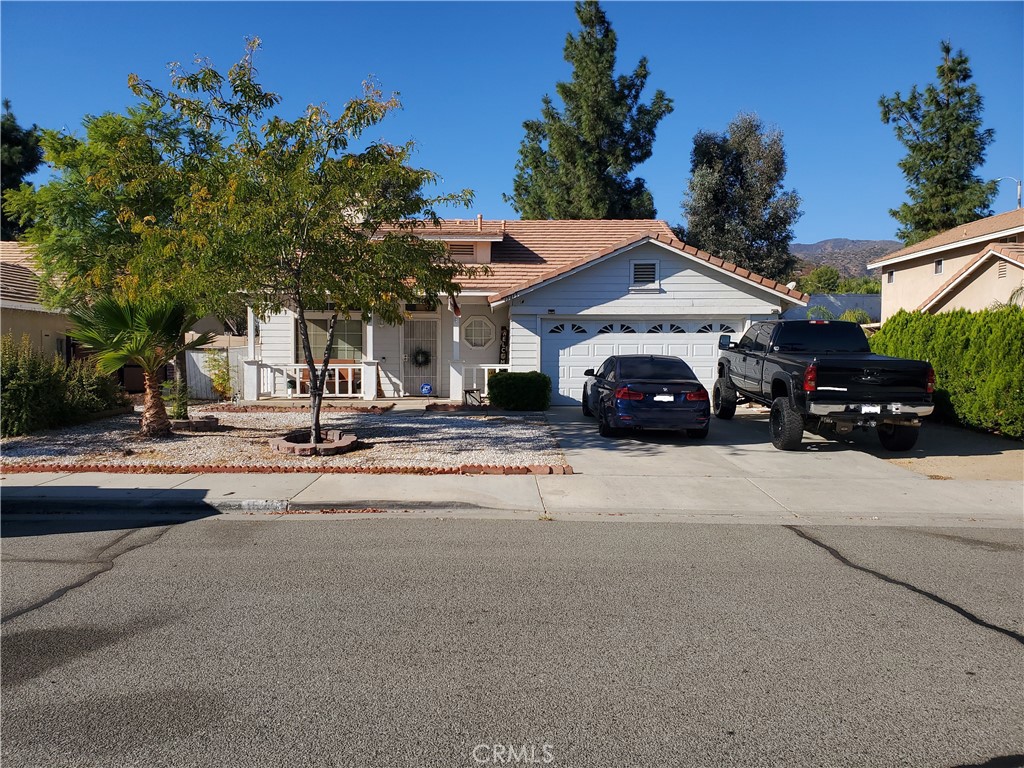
[820, 376]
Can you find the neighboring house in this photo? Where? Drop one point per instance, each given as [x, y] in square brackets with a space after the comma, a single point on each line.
[21, 313]
[968, 267]
[837, 304]
[559, 297]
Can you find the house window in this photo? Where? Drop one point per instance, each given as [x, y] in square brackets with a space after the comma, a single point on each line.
[347, 344]
[716, 327]
[890, 277]
[478, 332]
[938, 266]
[643, 275]
[606, 328]
[578, 328]
[560, 328]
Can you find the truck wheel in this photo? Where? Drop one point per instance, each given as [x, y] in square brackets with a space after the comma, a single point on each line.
[897, 437]
[723, 400]
[786, 425]
[586, 405]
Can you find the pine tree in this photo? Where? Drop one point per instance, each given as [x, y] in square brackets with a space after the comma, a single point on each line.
[20, 156]
[575, 163]
[941, 129]
[735, 206]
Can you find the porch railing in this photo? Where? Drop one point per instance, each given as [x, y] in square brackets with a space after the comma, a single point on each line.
[475, 376]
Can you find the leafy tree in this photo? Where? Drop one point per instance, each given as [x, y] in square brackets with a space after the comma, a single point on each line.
[856, 315]
[148, 333]
[20, 156]
[735, 206]
[863, 284]
[576, 163]
[823, 279]
[301, 213]
[941, 129]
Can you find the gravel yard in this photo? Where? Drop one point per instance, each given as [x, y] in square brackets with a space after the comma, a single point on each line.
[393, 439]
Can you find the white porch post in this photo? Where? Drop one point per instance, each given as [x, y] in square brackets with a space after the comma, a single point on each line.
[250, 333]
[455, 373]
[369, 365]
[251, 377]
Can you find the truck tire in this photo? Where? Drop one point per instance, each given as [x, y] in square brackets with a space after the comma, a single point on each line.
[723, 400]
[786, 425]
[897, 437]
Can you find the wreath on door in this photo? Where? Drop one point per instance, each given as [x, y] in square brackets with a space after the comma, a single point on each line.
[421, 358]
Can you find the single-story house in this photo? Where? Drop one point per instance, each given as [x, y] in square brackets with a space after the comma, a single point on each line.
[558, 297]
[968, 267]
[21, 313]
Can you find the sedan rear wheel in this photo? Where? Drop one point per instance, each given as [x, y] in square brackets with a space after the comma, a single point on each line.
[603, 427]
[697, 434]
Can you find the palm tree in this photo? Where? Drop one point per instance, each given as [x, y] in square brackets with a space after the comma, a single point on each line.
[146, 332]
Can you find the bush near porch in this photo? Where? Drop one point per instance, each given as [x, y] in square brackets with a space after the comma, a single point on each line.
[978, 359]
[519, 391]
[39, 393]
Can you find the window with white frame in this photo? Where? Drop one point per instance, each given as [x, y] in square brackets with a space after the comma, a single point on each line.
[890, 277]
[478, 332]
[346, 345]
[938, 266]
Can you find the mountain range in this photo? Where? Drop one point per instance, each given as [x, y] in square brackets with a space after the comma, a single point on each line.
[850, 257]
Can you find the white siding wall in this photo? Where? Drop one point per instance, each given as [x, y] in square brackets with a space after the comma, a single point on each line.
[488, 354]
[387, 347]
[277, 338]
[524, 343]
[688, 288]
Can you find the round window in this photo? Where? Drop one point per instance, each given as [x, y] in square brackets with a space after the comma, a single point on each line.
[478, 332]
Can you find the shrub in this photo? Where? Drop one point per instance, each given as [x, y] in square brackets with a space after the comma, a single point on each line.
[39, 393]
[520, 391]
[219, 368]
[978, 359]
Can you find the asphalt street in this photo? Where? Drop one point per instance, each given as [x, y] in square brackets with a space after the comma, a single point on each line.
[455, 642]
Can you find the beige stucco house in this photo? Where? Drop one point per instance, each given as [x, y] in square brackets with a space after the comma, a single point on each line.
[21, 314]
[968, 267]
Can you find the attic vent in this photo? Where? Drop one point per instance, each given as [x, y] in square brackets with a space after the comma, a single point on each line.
[644, 273]
[1001, 269]
[461, 251]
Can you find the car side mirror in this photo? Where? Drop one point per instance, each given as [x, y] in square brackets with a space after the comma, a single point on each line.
[725, 341]
[588, 372]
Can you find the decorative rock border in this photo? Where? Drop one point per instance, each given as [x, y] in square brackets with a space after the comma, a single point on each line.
[196, 424]
[299, 408]
[167, 469]
[335, 441]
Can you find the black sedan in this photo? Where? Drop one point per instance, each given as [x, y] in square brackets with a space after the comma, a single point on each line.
[646, 392]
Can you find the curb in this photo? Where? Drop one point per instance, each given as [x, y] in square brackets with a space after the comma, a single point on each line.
[168, 469]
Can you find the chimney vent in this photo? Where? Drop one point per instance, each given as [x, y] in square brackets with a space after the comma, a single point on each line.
[479, 222]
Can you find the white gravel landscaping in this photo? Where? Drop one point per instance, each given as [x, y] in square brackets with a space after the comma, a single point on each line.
[393, 439]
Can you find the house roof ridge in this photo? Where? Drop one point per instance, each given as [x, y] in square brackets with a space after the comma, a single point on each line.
[954, 235]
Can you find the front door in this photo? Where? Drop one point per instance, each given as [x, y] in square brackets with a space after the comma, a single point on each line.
[419, 357]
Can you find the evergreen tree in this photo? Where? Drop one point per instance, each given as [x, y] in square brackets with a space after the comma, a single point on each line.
[20, 156]
[735, 206]
[941, 129]
[575, 163]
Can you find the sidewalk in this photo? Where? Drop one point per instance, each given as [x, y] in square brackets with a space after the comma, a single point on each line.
[734, 476]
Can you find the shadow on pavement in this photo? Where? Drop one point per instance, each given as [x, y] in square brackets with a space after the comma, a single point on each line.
[51, 509]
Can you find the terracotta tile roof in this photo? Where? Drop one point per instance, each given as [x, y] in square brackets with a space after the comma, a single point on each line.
[980, 228]
[18, 279]
[660, 233]
[1012, 251]
[459, 228]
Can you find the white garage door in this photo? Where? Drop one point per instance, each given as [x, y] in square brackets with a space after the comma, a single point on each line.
[569, 347]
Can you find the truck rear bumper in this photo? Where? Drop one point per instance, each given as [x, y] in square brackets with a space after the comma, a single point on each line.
[859, 410]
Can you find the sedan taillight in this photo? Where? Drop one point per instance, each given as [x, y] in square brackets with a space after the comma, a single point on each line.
[625, 393]
[700, 394]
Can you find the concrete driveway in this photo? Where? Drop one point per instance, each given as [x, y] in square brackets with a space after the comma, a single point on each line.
[736, 471]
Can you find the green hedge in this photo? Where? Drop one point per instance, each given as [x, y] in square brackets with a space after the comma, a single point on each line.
[520, 391]
[978, 359]
[38, 393]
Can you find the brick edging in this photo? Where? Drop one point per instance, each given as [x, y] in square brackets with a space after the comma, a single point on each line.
[166, 469]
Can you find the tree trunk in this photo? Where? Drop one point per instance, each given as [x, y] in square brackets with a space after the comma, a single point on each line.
[154, 416]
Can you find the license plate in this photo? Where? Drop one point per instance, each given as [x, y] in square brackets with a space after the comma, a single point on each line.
[665, 398]
[871, 409]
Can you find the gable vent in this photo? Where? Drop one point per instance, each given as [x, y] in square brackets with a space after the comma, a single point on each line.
[461, 251]
[1001, 269]
[645, 273]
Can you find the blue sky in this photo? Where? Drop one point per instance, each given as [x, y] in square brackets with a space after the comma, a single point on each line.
[470, 73]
